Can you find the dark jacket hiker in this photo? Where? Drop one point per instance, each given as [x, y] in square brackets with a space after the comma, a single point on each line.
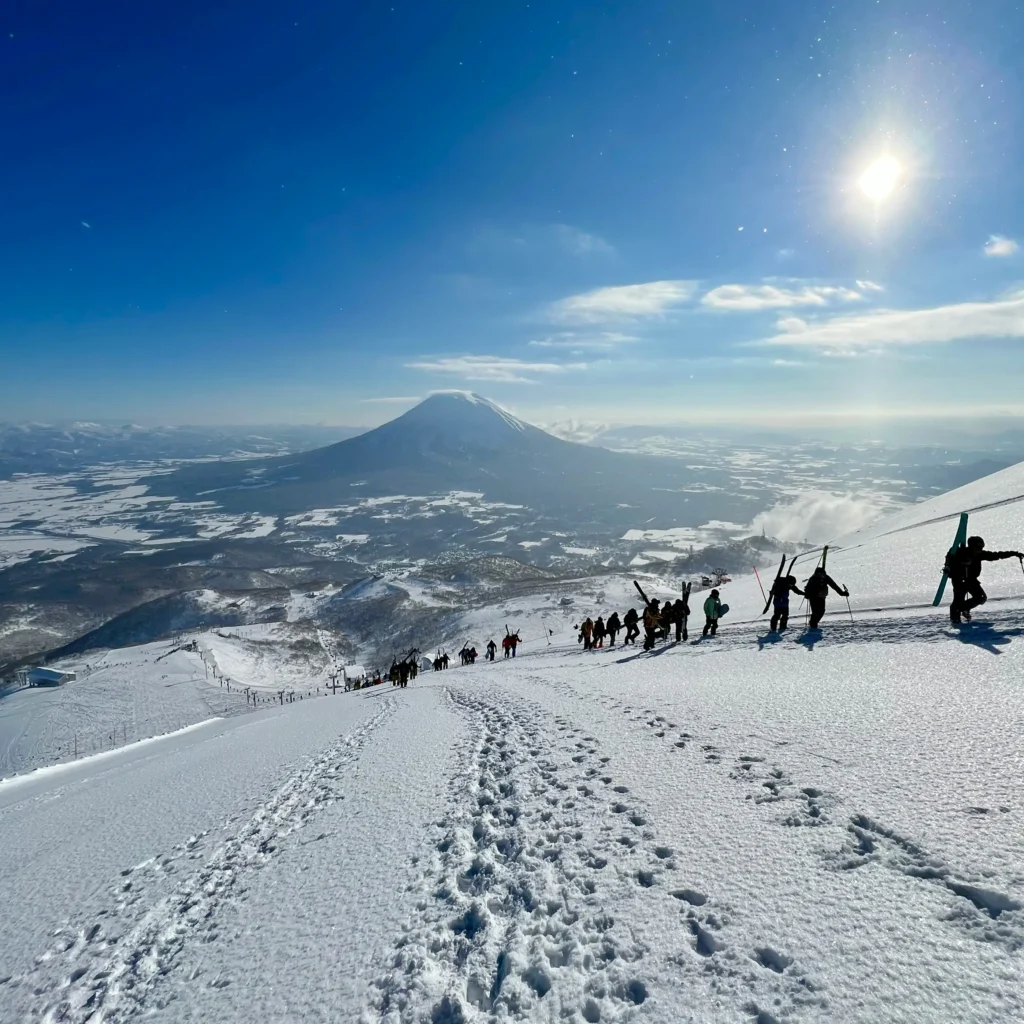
[781, 589]
[816, 590]
[963, 567]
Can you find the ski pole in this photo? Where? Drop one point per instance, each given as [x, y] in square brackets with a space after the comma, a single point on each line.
[848, 608]
[758, 576]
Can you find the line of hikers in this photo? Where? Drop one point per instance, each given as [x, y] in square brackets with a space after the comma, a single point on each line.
[962, 567]
[469, 654]
[657, 621]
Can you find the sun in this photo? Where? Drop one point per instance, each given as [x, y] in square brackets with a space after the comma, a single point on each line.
[880, 178]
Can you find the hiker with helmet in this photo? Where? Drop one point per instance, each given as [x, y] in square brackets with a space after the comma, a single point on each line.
[816, 591]
[963, 567]
[781, 589]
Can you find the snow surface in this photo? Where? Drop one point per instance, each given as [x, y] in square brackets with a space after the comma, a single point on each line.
[750, 828]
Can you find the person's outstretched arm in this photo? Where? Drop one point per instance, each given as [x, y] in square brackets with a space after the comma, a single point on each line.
[997, 556]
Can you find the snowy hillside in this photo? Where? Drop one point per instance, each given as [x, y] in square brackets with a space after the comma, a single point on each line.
[742, 829]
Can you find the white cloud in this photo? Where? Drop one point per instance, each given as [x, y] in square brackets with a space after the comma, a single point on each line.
[86, 224]
[868, 286]
[1001, 319]
[1000, 245]
[492, 368]
[582, 243]
[817, 516]
[770, 296]
[601, 341]
[630, 301]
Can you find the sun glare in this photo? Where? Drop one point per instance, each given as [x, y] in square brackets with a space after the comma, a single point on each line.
[880, 178]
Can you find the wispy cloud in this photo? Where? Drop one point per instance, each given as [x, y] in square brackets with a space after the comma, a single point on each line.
[892, 327]
[1000, 245]
[492, 368]
[391, 400]
[535, 241]
[623, 302]
[601, 341]
[868, 286]
[749, 297]
[582, 243]
[86, 224]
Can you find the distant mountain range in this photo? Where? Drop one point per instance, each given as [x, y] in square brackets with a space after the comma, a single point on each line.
[458, 441]
[66, 447]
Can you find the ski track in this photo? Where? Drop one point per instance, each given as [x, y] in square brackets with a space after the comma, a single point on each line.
[110, 969]
[987, 914]
[516, 915]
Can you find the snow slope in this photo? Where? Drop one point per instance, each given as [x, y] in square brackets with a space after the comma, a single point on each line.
[745, 829]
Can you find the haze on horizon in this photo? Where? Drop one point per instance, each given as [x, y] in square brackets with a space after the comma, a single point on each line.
[621, 214]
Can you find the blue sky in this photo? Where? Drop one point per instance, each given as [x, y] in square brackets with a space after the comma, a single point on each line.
[227, 212]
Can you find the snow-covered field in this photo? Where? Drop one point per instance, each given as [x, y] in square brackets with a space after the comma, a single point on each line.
[745, 829]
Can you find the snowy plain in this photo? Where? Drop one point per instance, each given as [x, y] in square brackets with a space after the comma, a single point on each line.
[750, 828]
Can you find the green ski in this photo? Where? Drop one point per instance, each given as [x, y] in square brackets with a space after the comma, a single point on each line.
[961, 538]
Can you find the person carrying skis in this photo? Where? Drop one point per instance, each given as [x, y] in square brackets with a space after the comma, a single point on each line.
[679, 613]
[652, 623]
[631, 622]
[491, 648]
[816, 590]
[781, 589]
[712, 611]
[599, 631]
[515, 640]
[612, 627]
[963, 567]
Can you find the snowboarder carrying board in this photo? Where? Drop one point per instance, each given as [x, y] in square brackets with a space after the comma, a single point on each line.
[779, 594]
[963, 567]
[816, 590]
[712, 613]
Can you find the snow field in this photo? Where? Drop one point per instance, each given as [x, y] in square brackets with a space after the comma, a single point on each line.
[92, 933]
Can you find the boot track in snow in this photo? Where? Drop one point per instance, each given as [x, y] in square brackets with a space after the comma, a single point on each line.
[111, 969]
[515, 917]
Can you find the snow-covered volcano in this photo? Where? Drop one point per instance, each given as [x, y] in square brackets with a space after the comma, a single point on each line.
[450, 442]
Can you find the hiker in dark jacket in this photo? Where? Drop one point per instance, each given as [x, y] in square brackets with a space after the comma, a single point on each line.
[816, 590]
[631, 621]
[781, 589]
[963, 567]
[599, 631]
[679, 612]
[612, 627]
